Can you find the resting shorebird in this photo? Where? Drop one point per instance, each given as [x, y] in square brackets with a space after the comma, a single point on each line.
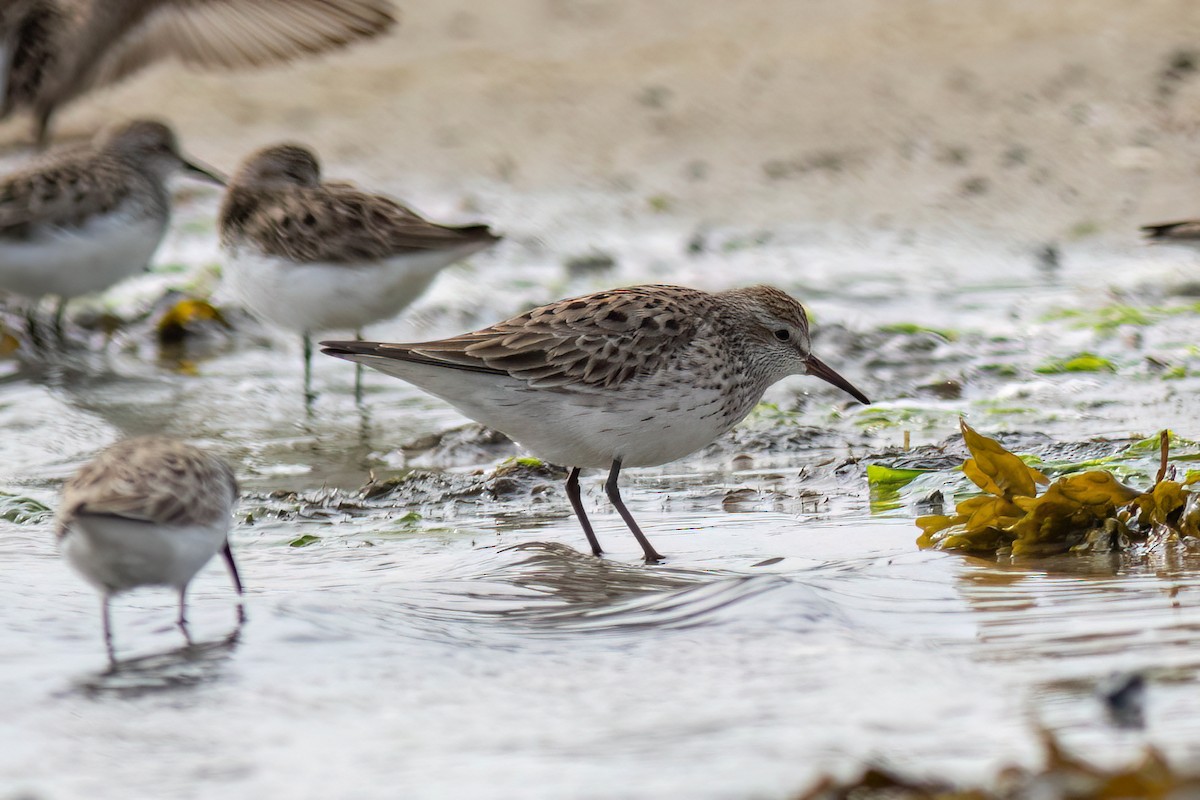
[310, 256]
[52, 51]
[631, 377]
[149, 511]
[87, 218]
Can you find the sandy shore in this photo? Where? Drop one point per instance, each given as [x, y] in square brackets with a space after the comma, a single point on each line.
[1029, 120]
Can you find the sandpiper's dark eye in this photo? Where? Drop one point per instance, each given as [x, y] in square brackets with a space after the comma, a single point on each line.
[783, 334]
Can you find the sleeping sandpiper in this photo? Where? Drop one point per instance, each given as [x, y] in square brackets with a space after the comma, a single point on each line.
[624, 378]
[149, 511]
[52, 51]
[83, 220]
[310, 256]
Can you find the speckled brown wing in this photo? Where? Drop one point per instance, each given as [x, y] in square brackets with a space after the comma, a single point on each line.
[62, 194]
[150, 479]
[600, 340]
[333, 223]
[1185, 231]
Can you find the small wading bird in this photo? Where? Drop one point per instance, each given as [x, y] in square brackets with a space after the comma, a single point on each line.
[80, 221]
[149, 511]
[631, 377]
[310, 256]
[1186, 233]
[53, 51]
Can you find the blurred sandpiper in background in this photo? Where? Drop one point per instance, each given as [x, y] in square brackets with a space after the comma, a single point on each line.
[1008, 117]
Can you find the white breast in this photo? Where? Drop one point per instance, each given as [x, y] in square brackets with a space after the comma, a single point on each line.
[643, 425]
[316, 296]
[71, 262]
[116, 554]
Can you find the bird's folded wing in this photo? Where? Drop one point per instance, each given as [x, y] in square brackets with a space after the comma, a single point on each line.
[600, 341]
[338, 225]
[63, 195]
[164, 483]
[232, 34]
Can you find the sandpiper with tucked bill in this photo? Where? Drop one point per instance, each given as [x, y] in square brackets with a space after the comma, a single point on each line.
[83, 219]
[631, 377]
[307, 255]
[149, 511]
[52, 51]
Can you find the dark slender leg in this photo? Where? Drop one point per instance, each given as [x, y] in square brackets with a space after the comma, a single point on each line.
[309, 396]
[227, 554]
[31, 325]
[106, 619]
[577, 504]
[58, 322]
[182, 621]
[41, 127]
[614, 495]
[358, 374]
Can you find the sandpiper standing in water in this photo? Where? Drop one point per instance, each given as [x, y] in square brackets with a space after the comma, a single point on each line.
[52, 51]
[631, 377]
[310, 256]
[90, 217]
[149, 511]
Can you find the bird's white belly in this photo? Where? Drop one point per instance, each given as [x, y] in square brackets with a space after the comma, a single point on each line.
[79, 261]
[636, 433]
[116, 554]
[316, 296]
[643, 426]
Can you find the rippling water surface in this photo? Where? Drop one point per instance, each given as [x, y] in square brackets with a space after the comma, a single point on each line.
[471, 649]
[406, 644]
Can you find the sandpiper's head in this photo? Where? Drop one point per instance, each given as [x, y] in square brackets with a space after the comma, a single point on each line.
[780, 329]
[152, 146]
[288, 164]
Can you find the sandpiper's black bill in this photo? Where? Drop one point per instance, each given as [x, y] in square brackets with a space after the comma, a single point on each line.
[819, 369]
[204, 172]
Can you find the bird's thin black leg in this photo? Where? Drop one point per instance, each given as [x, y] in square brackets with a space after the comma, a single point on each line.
[41, 127]
[614, 495]
[358, 374]
[32, 327]
[59, 312]
[106, 618]
[309, 396]
[577, 504]
[227, 554]
[182, 621]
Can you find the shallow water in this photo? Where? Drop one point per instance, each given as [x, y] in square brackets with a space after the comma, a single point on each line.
[498, 661]
[426, 644]
[471, 649]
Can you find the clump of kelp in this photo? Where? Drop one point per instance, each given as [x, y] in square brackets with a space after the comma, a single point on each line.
[1063, 777]
[1087, 511]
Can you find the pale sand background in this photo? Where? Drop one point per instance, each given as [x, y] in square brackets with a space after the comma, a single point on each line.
[1021, 118]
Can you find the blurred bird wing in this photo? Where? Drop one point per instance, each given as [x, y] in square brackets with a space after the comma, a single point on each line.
[233, 34]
